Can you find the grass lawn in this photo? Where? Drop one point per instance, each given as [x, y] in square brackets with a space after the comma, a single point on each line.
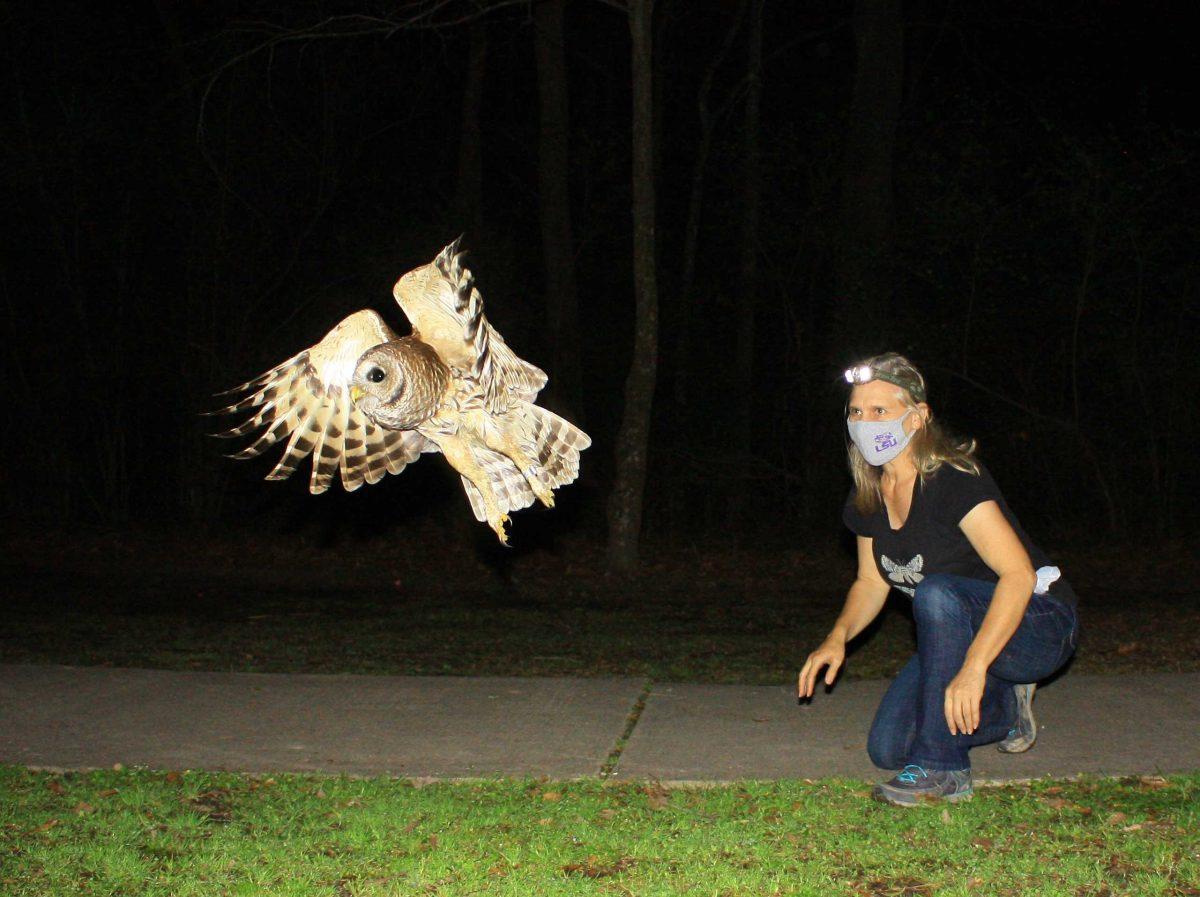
[153, 833]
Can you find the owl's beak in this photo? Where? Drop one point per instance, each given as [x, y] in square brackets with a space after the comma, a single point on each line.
[356, 393]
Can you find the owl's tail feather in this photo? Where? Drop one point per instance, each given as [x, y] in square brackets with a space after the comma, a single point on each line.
[555, 443]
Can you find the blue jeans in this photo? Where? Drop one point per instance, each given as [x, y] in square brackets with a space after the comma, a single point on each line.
[910, 724]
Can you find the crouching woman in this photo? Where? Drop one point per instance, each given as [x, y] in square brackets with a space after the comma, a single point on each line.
[993, 615]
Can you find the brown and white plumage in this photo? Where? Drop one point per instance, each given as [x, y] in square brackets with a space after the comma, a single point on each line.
[366, 403]
[444, 307]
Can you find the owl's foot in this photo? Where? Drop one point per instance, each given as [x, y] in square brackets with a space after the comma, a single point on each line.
[498, 524]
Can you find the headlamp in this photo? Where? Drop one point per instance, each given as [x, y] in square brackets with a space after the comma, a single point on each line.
[864, 373]
[860, 374]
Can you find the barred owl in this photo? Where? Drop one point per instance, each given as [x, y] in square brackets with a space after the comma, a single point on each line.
[366, 402]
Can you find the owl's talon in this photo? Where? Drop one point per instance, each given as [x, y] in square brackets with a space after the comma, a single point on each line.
[498, 525]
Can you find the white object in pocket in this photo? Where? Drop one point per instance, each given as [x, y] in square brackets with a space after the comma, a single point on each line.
[1046, 577]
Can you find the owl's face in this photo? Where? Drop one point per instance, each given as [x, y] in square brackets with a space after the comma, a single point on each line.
[378, 384]
[395, 387]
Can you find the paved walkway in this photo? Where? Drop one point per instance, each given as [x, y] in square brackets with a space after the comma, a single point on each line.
[448, 727]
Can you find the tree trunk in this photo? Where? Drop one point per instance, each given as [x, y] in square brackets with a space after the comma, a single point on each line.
[691, 240]
[562, 304]
[742, 423]
[469, 199]
[625, 503]
[865, 236]
[687, 303]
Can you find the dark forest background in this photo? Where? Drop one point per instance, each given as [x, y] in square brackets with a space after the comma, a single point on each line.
[1005, 192]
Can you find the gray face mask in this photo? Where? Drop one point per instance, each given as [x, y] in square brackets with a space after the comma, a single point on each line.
[880, 441]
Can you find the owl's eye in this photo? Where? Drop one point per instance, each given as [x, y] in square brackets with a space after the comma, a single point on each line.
[376, 375]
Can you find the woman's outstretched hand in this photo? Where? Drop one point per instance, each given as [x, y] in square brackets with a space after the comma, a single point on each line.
[963, 696]
[831, 653]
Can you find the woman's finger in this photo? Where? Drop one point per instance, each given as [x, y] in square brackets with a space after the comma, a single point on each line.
[806, 677]
[831, 673]
[949, 711]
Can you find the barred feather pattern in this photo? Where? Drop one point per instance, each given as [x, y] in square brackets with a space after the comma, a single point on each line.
[446, 311]
[306, 400]
[553, 442]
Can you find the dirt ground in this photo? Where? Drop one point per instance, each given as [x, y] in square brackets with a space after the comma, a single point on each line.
[699, 613]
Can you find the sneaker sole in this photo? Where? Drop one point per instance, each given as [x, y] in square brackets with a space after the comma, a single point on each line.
[924, 801]
[1021, 745]
[1016, 747]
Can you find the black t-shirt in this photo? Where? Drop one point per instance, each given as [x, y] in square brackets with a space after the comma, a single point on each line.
[931, 541]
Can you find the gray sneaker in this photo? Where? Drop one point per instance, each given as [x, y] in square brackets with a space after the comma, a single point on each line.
[1021, 737]
[914, 786]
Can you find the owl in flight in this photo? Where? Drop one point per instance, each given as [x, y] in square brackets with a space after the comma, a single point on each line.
[366, 402]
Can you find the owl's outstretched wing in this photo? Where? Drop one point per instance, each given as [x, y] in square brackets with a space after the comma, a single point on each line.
[308, 398]
[446, 312]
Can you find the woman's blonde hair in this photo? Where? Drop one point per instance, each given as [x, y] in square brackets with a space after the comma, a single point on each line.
[931, 445]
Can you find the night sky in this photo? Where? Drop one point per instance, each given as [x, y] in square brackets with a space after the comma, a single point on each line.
[196, 191]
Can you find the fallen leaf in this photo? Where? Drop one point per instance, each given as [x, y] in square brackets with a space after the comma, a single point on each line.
[900, 887]
[946, 815]
[607, 813]
[983, 843]
[82, 809]
[593, 869]
[108, 792]
[213, 805]
[1127, 648]
[56, 786]
[656, 796]
[1154, 783]
[173, 776]
[47, 825]
[551, 796]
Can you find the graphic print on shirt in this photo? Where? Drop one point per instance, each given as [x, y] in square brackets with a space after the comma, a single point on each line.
[909, 573]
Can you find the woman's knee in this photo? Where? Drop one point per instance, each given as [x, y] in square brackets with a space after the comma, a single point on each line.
[937, 596]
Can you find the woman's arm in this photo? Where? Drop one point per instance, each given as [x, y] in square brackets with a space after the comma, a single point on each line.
[864, 601]
[991, 535]
[866, 597]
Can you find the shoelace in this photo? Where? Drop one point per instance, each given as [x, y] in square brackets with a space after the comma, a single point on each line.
[910, 778]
